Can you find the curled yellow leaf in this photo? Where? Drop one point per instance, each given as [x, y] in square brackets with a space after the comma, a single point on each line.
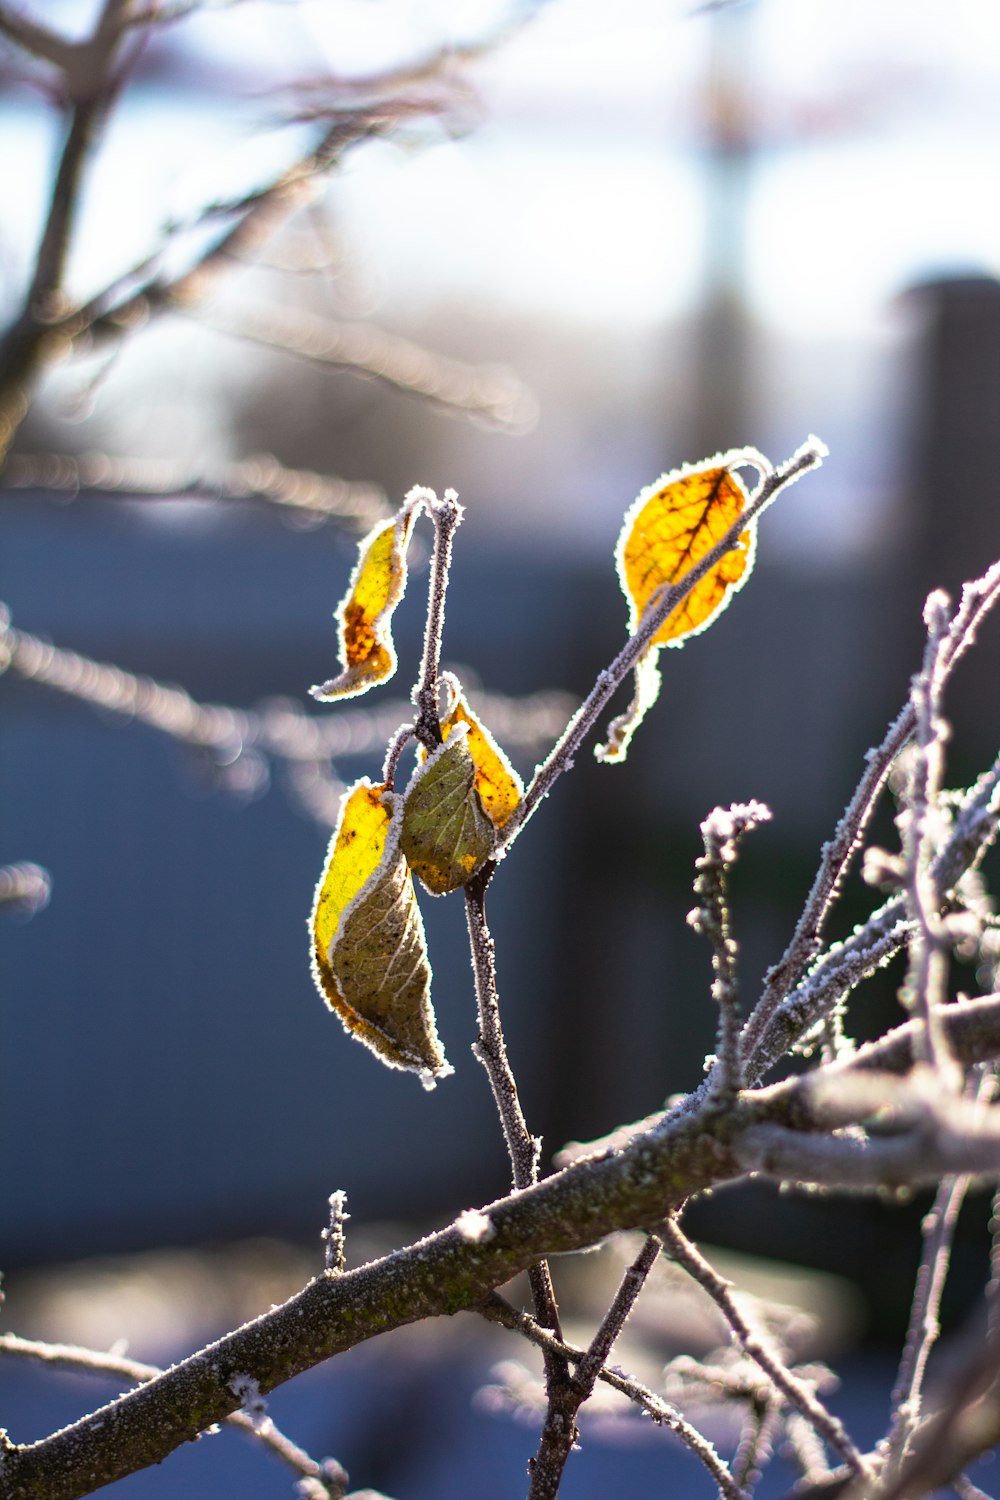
[369, 957]
[364, 615]
[670, 527]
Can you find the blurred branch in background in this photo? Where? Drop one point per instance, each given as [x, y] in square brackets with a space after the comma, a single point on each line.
[243, 743]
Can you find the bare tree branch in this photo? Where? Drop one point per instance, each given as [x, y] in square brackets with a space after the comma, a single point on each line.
[498, 1310]
[487, 393]
[751, 1340]
[71, 1357]
[261, 477]
[34, 37]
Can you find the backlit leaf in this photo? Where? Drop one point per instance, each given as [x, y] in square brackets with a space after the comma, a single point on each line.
[670, 527]
[497, 783]
[364, 615]
[369, 958]
[445, 835]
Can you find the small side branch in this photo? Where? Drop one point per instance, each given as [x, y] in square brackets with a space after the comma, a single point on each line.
[318, 497]
[662, 1412]
[489, 395]
[446, 514]
[334, 1238]
[522, 1147]
[560, 1431]
[687, 1254]
[722, 831]
[329, 1479]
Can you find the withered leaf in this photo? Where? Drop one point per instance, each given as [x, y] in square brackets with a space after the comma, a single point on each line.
[369, 957]
[364, 615]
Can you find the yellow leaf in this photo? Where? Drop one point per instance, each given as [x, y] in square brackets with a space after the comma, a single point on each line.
[445, 834]
[369, 958]
[497, 783]
[364, 615]
[669, 528]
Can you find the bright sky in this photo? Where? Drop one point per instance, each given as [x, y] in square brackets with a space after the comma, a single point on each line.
[586, 192]
[582, 191]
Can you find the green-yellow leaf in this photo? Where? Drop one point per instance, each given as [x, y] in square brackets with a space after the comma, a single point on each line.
[369, 957]
[445, 834]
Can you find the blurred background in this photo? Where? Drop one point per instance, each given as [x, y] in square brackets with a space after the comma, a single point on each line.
[622, 240]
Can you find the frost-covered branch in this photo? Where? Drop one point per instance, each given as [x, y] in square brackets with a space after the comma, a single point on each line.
[650, 1176]
[759, 1349]
[242, 742]
[662, 1412]
[328, 1474]
[721, 833]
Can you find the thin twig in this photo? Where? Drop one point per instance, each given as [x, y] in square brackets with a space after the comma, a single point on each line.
[721, 832]
[485, 392]
[809, 456]
[835, 858]
[277, 730]
[925, 990]
[72, 1357]
[446, 514]
[687, 1254]
[924, 1325]
[559, 1432]
[498, 1310]
[491, 1051]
